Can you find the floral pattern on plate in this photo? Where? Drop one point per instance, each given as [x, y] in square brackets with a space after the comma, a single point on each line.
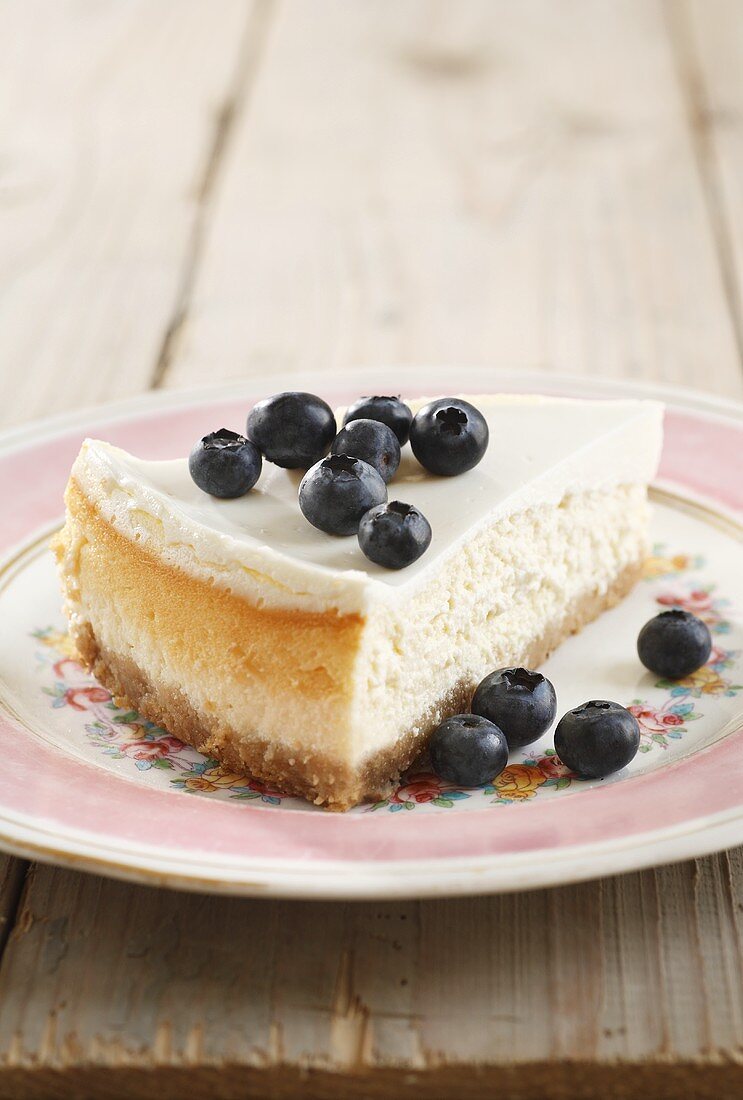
[663, 565]
[123, 735]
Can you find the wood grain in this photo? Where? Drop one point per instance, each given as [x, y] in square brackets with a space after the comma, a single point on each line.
[109, 116]
[481, 182]
[12, 878]
[554, 991]
[708, 40]
[196, 192]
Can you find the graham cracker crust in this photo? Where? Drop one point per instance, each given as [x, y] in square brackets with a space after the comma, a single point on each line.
[314, 776]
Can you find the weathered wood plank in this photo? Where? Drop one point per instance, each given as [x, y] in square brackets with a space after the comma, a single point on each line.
[481, 182]
[12, 877]
[708, 38]
[102, 975]
[109, 112]
[633, 985]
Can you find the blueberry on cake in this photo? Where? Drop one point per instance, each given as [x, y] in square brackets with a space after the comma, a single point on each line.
[228, 599]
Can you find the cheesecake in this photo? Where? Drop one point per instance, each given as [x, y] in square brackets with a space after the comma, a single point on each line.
[285, 653]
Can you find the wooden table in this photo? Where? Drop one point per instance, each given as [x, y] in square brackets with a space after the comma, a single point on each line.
[193, 191]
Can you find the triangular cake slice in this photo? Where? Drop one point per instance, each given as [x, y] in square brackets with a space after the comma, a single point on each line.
[285, 653]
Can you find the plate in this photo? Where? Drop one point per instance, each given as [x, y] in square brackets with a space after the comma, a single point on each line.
[88, 784]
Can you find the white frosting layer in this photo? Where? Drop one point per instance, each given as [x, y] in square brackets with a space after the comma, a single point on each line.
[261, 546]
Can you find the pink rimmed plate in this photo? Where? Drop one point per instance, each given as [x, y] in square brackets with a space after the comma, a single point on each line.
[87, 784]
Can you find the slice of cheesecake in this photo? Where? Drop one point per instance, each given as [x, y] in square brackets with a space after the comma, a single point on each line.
[285, 653]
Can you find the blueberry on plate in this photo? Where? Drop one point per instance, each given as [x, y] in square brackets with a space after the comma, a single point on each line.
[522, 703]
[371, 441]
[294, 430]
[394, 535]
[468, 750]
[597, 738]
[388, 410]
[674, 644]
[449, 436]
[225, 464]
[338, 491]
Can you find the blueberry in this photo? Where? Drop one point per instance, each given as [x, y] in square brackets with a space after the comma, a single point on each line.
[468, 750]
[449, 436]
[522, 703]
[294, 430]
[338, 491]
[394, 535]
[372, 442]
[225, 464]
[597, 738]
[388, 410]
[674, 644]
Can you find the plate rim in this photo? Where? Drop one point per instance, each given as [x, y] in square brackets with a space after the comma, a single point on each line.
[685, 397]
[400, 879]
[361, 879]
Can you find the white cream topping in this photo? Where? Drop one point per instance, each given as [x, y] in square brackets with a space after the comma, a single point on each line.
[540, 449]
